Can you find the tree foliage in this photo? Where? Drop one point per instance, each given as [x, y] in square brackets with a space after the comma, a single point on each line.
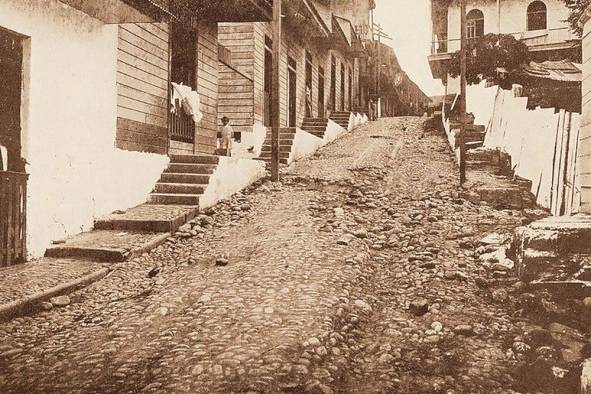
[577, 9]
[486, 54]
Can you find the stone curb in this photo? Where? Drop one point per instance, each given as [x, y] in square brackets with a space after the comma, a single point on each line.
[14, 308]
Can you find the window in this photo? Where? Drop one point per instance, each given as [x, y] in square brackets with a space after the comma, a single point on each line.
[537, 16]
[475, 24]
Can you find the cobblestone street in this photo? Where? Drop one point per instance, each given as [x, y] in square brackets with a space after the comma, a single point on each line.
[357, 273]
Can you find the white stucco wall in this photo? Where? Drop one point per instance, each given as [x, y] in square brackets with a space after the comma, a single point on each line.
[304, 144]
[231, 175]
[481, 102]
[332, 132]
[255, 139]
[513, 17]
[69, 122]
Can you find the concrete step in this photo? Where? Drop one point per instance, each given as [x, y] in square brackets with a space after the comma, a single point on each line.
[110, 246]
[194, 159]
[196, 179]
[190, 168]
[174, 199]
[149, 218]
[179, 188]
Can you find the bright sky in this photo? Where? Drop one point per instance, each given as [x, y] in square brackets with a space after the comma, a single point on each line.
[408, 22]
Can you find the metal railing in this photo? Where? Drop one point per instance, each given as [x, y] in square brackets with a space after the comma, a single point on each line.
[442, 44]
[13, 218]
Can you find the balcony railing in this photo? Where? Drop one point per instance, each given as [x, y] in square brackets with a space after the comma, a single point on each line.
[441, 44]
[13, 217]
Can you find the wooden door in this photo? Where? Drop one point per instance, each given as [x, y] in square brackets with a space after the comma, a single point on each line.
[333, 84]
[308, 84]
[320, 92]
[292, 92]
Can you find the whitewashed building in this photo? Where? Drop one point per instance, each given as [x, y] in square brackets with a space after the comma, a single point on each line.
[540, 24]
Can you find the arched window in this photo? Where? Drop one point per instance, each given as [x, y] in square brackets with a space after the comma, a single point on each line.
[537, 16]
[475, 24]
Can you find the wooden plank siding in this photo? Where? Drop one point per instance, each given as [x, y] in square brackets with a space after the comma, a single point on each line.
[584, 150]
[142, 87]
[237, 90]
[207, 87]
[246, 41]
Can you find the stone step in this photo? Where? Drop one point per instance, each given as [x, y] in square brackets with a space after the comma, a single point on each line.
[267, 161]
[323, 120]
[286, 143]
[340, 119]
[319, 134]
[474, 144]
[174, 199]
[195, 159]
[282, 148]
[148, 217]
[190, 168]
[282, 155]
[110, 246]
[565, 235]
[282, 136]
[179, 188]
[196, 179]
[314, 128]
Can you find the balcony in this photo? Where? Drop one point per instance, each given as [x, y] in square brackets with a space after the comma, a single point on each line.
[537, 40]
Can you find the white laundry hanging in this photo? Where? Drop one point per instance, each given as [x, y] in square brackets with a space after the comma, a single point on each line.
[188, 100]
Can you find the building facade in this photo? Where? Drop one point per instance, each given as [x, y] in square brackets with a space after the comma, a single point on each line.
[319, 69]
[89, 118]
[541, 25]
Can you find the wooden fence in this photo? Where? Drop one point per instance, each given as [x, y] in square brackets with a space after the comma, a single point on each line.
[13, 218]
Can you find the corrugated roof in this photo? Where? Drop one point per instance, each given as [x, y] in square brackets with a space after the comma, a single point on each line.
[562, 70]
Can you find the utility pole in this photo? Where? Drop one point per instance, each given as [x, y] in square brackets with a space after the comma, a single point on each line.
[378, 62]
[275, 96]
[461, 138]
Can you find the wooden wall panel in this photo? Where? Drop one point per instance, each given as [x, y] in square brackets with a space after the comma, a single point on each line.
[207, 87]
[236, 90]
[142, 87]
[236, 98]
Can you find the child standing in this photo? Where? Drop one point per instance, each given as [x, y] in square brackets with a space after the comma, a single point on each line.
[226, 137]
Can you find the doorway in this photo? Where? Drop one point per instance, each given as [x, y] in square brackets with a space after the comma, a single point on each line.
[11, 68]
[183, 71]
[13, 179]
[292, 91]
[342, 86]
[320, 92]
[308, 84]
[350, 89]
[333, 83]
[268, 81]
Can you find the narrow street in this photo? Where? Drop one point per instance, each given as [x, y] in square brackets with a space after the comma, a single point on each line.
[356, 273]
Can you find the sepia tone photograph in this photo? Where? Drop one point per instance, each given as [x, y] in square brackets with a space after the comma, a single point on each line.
[295, 196]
